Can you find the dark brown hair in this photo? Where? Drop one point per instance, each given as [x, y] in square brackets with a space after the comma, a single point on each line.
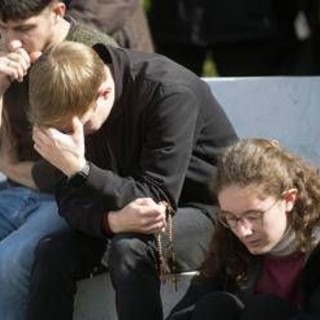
[22, 9]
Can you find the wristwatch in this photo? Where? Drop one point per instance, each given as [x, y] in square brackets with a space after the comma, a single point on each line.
[81, 176]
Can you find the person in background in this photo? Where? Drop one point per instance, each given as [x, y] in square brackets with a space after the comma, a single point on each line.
[243, 37]
[28, 210]
[124, 20]
[121, 125]
[264, 260]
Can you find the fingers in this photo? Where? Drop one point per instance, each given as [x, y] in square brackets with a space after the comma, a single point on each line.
[161, 206]
[45, 137]
[15, 64]
[34, 56]
[151, 225]
[16, 70]
[149, 207]
[142, 215]
[39, 138]
[145, 202]
[47, 134]
[77, 128]
[157, 228]
[19, 62]
[152, 215]
[54, 134]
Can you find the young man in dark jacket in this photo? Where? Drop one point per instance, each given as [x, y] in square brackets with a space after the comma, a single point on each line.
[153, 130]
[28, 210]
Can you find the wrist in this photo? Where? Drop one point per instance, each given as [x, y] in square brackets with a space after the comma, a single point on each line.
[76, 168]
[111, 218]
[106, 225]
[8, 170]
[81, 176]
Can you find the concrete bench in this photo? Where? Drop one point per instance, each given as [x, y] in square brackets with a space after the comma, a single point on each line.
[282, 108]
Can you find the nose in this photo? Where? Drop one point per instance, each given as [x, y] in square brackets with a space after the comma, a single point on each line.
[243, 229]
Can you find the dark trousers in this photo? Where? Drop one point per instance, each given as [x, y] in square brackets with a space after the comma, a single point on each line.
[66, 257]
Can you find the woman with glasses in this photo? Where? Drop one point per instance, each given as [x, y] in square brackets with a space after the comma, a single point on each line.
[264, 259]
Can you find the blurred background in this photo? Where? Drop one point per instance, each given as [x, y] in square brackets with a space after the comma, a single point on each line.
[228, 38]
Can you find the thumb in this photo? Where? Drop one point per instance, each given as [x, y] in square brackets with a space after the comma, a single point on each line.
[34, 56]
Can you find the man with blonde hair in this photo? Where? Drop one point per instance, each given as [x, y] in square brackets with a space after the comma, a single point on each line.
[28, 210]
[123, 128]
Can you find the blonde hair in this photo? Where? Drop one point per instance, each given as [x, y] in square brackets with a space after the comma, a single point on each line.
[64, 82]
[271, 170]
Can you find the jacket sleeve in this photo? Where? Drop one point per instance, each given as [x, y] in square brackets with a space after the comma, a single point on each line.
[44, 175]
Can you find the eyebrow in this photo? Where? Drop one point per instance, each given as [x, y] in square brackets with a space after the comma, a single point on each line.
[241, 214]
[19, 26]
[23, 26]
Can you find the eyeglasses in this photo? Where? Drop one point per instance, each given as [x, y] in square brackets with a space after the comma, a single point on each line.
[252, 218]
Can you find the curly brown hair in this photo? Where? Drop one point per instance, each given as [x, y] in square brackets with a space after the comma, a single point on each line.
[272, 170]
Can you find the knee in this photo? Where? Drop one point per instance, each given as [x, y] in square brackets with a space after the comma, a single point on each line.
[43, 248]
[128, 252]
[15, 264]
[47, 255]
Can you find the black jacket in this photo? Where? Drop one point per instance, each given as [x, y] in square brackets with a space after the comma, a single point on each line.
[309, 286]
[161, 140]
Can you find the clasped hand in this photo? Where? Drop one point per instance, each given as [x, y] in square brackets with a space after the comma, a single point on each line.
[14, 65]
[142, 215]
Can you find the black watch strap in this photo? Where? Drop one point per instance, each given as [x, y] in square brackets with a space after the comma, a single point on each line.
[80, 177]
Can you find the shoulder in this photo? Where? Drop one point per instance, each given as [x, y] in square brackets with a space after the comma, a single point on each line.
[89, 36]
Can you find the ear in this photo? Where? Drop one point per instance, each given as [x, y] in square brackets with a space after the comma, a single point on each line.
[103, 95]
[59, 9]
[104, 91]
[290, 197]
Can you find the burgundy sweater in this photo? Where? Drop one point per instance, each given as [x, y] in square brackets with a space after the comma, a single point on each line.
[280, 276]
